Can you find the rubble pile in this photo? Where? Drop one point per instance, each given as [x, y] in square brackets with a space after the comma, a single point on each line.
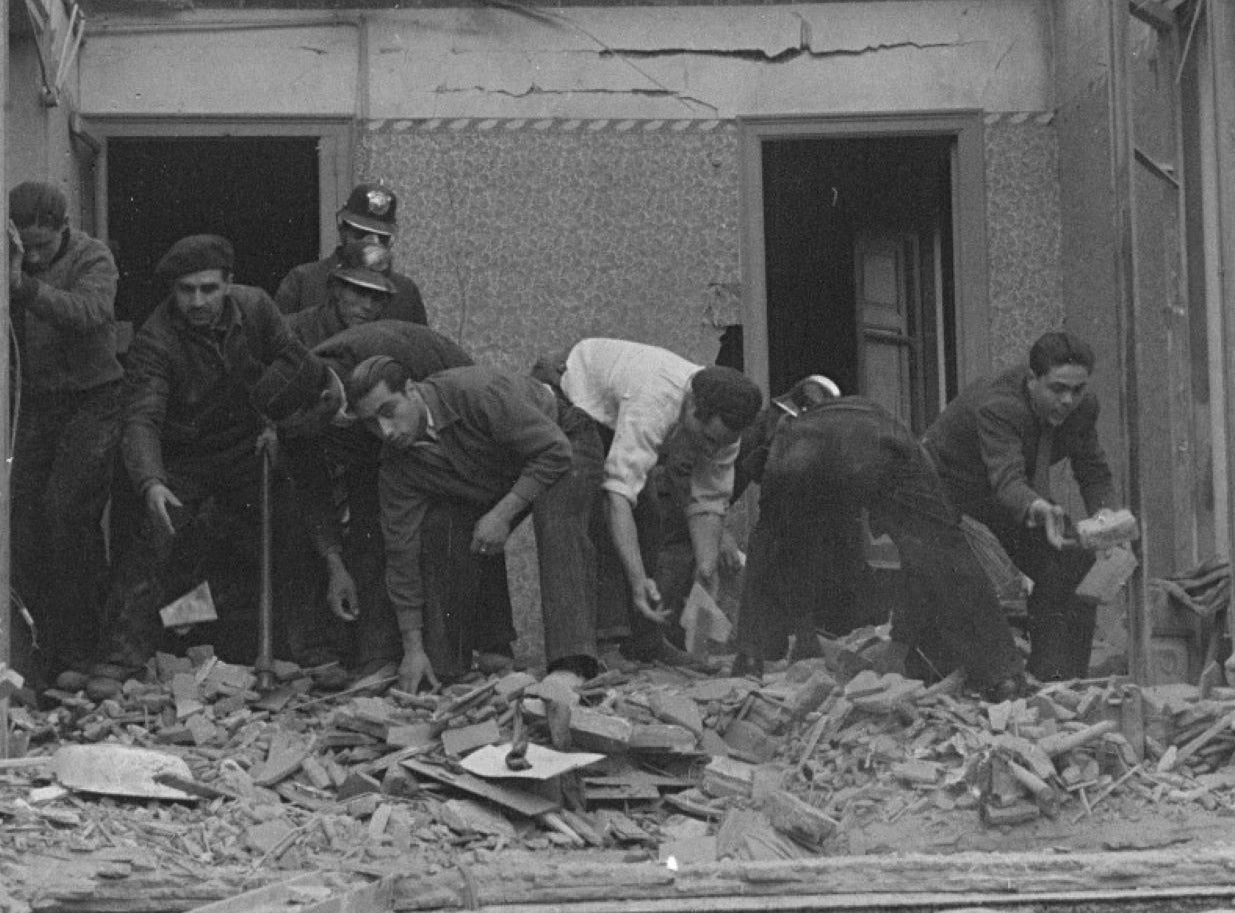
[189, 768]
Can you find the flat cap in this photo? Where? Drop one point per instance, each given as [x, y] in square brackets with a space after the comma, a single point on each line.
[194, 254]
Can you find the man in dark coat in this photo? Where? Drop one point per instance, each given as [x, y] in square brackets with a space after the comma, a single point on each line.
[332, 459]
[994, 446]
[826, 463]
[62, 286]
[193, 445]
[368, 217]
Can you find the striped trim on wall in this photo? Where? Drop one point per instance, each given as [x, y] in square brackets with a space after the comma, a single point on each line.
[614, 125]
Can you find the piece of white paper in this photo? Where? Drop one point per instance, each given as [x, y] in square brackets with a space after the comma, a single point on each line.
[490, 761]
[702, 620]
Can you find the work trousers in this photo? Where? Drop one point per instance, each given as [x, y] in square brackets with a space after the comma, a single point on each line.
[1061, 624]
[63, 461]
[217, 539]
[824, 468]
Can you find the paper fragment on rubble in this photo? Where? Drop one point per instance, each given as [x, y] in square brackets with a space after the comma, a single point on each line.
[702, 620]
[490, 761]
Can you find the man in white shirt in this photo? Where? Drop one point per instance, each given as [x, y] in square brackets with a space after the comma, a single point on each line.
[643, 397]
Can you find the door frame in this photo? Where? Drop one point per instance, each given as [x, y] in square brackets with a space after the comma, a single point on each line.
[969, 252]
[335, 136]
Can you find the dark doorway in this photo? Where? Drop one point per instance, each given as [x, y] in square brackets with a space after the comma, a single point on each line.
[858, 253]
[259, 192]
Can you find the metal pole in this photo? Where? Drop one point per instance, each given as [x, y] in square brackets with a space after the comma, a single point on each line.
[265, 610]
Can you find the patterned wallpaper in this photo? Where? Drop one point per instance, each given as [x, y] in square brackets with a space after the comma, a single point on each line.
[1023, 233]
[526, 235]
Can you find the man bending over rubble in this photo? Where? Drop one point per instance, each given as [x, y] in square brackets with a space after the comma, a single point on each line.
[644, 401]
[994, 446]
[823, 465]
[334, 464]
[494, 439]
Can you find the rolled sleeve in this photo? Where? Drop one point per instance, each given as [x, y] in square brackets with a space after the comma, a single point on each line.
[637, 438]
[711, 483]
[403, 514]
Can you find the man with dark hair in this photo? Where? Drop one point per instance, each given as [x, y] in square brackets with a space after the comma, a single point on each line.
[495, 440]
[193, 443]
[645, 400]
[330, 456]
[821, 461]
[62, 287]
[994, 446]
[368, 217]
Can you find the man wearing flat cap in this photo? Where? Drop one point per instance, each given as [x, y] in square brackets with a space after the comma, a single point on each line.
[192, 439]
[369, 218]
[62, 285]
[334, 462]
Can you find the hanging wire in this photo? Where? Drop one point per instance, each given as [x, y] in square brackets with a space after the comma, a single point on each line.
[1183, 58]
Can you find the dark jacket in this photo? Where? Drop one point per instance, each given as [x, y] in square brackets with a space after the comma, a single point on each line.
[497, 433]
[306, 288]
[65, 319]
[985, 445]
[188, 389]
[353, 449]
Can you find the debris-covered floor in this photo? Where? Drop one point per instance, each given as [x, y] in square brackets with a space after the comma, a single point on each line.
[677, 770]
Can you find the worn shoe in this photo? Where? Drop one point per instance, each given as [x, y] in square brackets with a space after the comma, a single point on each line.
[610, 659]
[490, 663]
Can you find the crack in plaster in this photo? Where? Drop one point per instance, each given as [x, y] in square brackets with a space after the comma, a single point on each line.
[537, 90]
[783, 56]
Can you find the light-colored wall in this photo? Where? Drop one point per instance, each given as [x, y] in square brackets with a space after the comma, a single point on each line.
[637, 61]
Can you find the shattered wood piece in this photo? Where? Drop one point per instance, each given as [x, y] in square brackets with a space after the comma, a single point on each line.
[949, 684]
[1191, 748]
[186, 694]
[584, 827]
[1028, 753]
[459, 741]
[268, 836]
[278, 698]
[378, 821]
[1065, 741]
[518, 800]
[899, 691]
[591, 730]
[767, 778]
[463, 702]
[677, 710]
[799, 820]
[1211, 678]
[767, 711]
[864, 684]
[312, 768]
[915, 771]
[728, 777]
[1017, 813]
[620, 789]
[412, 735]
[750, 742]
[287, 752]
[357, 784]
[204, 732]
[623, 829]
[338, 775]
[810, 696]
[512, 683]
[693, 802]
[399, 783]
[1043, 793]
[661, 737]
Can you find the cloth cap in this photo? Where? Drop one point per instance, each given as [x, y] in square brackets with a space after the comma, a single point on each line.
[294, 381]
[371, 207]
[365, 266]
[37, 203]
[194, 254]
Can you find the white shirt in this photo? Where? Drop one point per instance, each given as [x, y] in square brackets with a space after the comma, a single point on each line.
[638, 390]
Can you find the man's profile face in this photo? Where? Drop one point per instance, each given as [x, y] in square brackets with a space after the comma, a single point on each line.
[1058, 392]
[356, 305]
[40, 245]
[200, 296]
[397, 417]
[349, 232]
[706, 438]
